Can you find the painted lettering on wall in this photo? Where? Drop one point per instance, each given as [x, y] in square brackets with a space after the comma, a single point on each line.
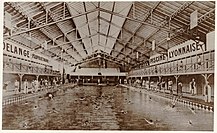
[157, 59]
[34, 56]
[185, 49]
[16, 50]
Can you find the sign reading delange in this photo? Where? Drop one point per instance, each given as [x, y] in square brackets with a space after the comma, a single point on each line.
[16, 50]
[19, 51]
[185, 49]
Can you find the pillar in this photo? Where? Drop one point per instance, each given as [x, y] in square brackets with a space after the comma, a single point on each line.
[48, 80]
[149, 78]
[206, 77]
[21, 78]
[141, 81]
[159, 80]
[37, 76]
[176, 77]
[37, 83]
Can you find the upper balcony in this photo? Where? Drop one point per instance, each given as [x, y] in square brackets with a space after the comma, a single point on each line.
[21, 68]
[188, 65]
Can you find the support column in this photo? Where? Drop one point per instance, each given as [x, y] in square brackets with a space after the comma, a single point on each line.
[21, 78]
[149, 78]
[159, 80]
[37, 76]
[176, 77]
[130, 80]
[119, 81]
[48, 80]
[37, 83]
[206, 77]
[141, 81]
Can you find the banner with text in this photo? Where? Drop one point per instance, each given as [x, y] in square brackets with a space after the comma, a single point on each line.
[157, 59]
[185, 49]
[16, 50]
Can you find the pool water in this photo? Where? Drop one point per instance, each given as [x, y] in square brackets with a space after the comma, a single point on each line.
[104, 108]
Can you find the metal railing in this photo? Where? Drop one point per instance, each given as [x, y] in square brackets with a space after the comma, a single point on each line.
[207, 65]
[23, 68]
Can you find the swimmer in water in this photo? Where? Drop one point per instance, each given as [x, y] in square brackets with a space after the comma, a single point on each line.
[129, 102]
[173, 105]
[25, 124]
[151, 122]
[192, 110]
[82, 98]
[53, 111]
[97, 107]
[124, 112]
[190, 122]
[50, 95]
[35, 107]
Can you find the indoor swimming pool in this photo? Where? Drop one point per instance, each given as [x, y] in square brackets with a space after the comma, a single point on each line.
[104, 108]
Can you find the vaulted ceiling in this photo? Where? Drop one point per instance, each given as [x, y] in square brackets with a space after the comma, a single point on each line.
[121, 30]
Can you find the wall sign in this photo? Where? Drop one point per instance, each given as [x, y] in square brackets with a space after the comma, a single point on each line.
[37, 57]
[22, 52]
[16, 50]
[185, 49]
[158, 58]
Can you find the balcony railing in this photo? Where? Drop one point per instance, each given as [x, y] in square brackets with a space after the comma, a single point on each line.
[207, 65]
[23, 68]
